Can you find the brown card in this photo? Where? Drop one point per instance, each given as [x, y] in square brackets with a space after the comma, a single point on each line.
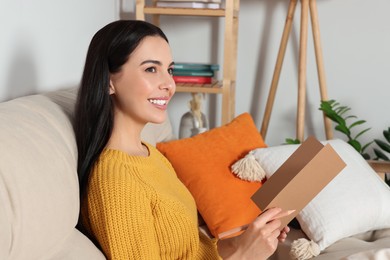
[300, 178]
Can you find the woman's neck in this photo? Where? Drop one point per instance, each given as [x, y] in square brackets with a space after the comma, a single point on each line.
[126, 137]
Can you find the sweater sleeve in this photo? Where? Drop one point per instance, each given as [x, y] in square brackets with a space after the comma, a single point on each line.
[120, 214]
[207, 248]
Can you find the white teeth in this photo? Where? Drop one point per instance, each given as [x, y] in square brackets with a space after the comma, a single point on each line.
[158, 101]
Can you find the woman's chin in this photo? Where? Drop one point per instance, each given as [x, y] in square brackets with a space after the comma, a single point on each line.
[159, 119]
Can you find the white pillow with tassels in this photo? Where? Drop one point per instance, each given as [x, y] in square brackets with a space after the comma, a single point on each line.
[355, 201]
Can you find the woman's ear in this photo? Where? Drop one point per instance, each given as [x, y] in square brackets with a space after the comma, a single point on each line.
[112, 88]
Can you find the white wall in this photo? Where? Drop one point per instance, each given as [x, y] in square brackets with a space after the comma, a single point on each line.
[43, 45]
[355, 38]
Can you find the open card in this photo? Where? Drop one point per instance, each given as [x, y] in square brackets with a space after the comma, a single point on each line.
[300, 178]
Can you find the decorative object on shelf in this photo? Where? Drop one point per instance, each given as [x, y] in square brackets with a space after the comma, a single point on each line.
[195, 66]
[188, 4]
[199, 1]
[197, 73]
[194, 121]
[193, 79]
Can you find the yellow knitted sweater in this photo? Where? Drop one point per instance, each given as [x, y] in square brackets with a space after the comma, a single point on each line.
[137, 208]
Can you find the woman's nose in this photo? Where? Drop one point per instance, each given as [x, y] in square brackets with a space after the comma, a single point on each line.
[168, 83]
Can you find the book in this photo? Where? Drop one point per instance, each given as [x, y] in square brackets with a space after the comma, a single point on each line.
[192, 79]
[195, 66]
[203, 73]
[203, 1]
[189, 5]
[297, 181]
[300, 178]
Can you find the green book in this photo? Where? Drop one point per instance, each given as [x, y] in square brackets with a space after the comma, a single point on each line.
[203, 73]
[195, 66]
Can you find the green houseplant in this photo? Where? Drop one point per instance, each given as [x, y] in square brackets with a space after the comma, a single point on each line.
[384, 146]
[338, 114]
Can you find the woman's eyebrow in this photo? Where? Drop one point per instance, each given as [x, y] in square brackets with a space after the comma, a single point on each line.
[156, 62]
[151, 61]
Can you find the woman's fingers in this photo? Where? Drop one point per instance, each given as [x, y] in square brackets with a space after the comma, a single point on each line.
[269, 223]
[268, 215]
[285, 213]
[262, 236]
[274, 213]
[286, 229]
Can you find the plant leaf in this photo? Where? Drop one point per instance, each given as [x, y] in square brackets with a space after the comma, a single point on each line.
[343, 129]
[384, 146]
[366, 156]
[342, 110]
[366, 145]
[355, 144]
[292, 141]
[359, 122]
[386, 134]
[362, 132]
[387, 179]
[380, 155]
[348, 117]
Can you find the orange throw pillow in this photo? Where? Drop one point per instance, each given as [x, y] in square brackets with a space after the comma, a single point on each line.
[203, 163]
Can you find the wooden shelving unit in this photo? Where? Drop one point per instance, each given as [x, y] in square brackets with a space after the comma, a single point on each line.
[226, 86]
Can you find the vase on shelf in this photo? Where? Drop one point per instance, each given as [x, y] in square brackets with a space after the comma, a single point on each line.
[194, 121]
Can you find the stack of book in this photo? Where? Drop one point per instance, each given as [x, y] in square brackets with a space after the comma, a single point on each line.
[211, 4]
[198, 73]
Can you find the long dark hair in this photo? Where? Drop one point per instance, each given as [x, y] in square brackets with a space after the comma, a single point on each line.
[109, 49]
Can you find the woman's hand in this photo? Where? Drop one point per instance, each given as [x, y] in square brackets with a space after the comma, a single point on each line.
[259, 241]
[283, 234]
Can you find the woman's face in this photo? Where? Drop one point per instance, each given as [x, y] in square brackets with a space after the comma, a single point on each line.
[143, 87]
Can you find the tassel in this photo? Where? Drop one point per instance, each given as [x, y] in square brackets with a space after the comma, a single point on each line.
[303, 249]
[248, 168]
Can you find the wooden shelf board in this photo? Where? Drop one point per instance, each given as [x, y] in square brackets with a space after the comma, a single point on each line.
[184, 11]
[380, 166]
[214, 88]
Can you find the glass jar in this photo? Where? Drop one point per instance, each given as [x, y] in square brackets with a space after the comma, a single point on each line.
[190, 125]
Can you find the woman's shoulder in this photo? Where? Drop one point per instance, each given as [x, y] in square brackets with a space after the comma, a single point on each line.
[112, 164]
[154, 152]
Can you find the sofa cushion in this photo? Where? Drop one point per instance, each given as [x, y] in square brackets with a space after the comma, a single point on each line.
[355, 201]
[75, 247]
[39, 193]
[203, 162]
[38, 179]
[365, 244]
[152, 133]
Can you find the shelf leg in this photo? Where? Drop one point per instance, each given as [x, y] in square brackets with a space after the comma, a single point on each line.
[302, 70]
[139, 10]
[278, 68]
[320, 65]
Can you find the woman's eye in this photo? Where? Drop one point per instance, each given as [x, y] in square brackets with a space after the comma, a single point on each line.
[151, 69]
[170, 71]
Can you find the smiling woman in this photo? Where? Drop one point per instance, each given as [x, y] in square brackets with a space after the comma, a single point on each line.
[140, 92]
[130, 196]
[133, 206]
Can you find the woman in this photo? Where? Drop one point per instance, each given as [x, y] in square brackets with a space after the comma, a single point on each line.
[132, 204]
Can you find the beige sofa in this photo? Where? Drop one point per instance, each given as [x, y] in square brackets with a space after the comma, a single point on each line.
[39, 202]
